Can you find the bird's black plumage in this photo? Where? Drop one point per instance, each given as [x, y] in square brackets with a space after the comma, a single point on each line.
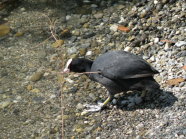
[119, 71]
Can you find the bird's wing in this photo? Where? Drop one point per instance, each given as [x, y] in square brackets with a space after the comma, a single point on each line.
[131, 68]
[122, 65]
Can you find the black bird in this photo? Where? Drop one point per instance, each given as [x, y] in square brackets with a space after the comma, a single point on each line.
[118, 71]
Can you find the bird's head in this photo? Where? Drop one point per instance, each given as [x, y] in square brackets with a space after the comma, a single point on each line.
[77, 65]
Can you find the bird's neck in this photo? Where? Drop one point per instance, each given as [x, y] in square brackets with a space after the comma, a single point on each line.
[88, 65]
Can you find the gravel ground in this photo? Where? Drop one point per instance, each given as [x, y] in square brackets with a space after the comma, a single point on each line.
[30, 88]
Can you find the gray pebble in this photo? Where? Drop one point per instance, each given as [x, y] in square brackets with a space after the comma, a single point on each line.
[98, 15]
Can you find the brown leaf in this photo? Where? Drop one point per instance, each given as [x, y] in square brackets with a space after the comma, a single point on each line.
[65, 33]
[175, 81]
[58, 43]
[184, 67]
[124, 29]
[168, 41]
[4, 30]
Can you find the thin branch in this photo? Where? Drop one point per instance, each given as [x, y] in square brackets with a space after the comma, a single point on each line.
[54, 72]
[60, 77]
[94, 72]
[52, 27]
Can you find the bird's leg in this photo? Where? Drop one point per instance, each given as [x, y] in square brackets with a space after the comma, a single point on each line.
[100, 106]
[144, 93]
[109, 99]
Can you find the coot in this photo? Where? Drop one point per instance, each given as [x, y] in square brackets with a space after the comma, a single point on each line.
[118, 71]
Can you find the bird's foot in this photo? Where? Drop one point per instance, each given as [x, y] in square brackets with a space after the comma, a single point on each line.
[94, 108]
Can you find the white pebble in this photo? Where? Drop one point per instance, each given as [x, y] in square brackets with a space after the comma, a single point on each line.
[156, 40]
[156, 2]
[152, 58]
[114, 27]
[180, 43]
[68, 17]
[166, 46]
[128, 49]
[69, 80]
[89, 53]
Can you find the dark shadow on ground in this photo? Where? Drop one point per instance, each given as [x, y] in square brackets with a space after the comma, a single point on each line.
[160, 101]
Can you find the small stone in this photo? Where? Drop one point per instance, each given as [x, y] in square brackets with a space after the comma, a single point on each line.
[180, 43]
[164, 1]
[4, 104]
[152, 58]
[53, 57]
[29, 87]
[68, 17]
[71, 50]
[79, 106]
[86, 25]
[94, 44]
[35, 90]
[83, 20]
[79, 130]
[58, 43]
[119, 7]
[161, 43]
[128, 49]
[182, 84]
[36, 76]
[85, 45]
[156, 1]
[94, 6]
[22, 9]
[143, 14]
[84, 113]
[82, 51]
[156, 40]
[19, 34]
[89, 35]
[114, 101]
[76, 32]
[182, 54]
[41, 54]
[98, 15]
[167, 46]
[89, 53]
[1, 91]
[114, 27]
[184, 131]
